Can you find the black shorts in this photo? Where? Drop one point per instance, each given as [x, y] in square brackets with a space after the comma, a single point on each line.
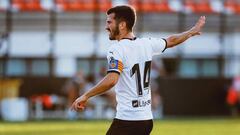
[123, 127]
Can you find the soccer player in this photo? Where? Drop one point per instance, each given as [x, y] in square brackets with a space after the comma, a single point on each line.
[129, 67]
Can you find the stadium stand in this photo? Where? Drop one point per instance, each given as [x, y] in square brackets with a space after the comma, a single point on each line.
[135, 3]
[151, 5]
[189, 6]
[83, 5]
[232, 6]
[147, 6]
[27, 5]
[162, 6]
[204, 6]
[193, 6]
[105, 5]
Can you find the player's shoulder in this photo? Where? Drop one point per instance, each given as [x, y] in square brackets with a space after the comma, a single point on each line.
[149, 38]
[114, 46]
[146, 39]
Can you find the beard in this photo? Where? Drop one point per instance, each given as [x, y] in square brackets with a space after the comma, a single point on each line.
[115, 32]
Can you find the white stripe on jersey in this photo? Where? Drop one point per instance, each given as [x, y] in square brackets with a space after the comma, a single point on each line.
[133, 92]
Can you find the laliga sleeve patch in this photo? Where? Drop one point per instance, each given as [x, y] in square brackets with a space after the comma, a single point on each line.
[115, 65]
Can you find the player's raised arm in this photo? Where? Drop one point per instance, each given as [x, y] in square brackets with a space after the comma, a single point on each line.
[106, 84]
[176, 39]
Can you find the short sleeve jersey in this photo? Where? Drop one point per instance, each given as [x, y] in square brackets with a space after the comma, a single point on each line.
[132, 60]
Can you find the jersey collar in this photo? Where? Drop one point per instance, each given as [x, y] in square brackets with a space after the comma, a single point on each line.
[134, 38]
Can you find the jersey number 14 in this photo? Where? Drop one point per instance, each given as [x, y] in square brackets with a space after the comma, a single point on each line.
[146, 77]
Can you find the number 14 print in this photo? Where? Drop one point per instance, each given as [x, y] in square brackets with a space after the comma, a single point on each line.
[146, 77]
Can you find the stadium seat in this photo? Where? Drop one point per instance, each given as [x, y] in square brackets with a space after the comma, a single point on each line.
[89, 5]
[198, 6]
[147, 5]
[136, 4]
[232, 6]
[162, 6]
[62, 5]
[33, 5]
[203, 6]
[75, 5]
[27, 5]
[142, 5]
[151, 5]
[69, 5]
[190, 6]
[104, 5]
[238, 8]
[17, 5]
[83, 5]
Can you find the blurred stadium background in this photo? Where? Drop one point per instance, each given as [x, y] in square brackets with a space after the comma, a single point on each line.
[53, 50]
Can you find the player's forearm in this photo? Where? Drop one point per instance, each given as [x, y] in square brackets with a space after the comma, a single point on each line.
[179, 38]
[100, 88]
[176, 39]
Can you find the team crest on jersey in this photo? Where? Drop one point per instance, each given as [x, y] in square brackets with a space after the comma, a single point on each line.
[113, 64]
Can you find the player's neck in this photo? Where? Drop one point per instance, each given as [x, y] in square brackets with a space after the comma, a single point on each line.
[127, 35]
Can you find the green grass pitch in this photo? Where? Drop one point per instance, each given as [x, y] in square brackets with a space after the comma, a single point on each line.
[205, 126]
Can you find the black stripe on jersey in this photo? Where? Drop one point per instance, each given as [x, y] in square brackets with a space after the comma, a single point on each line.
[165, 45]
[113, 71]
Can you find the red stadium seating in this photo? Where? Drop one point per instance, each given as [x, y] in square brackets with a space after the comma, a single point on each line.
[104, 5]
[147, 6]
[238, 8]
[198, 6]
[143, 5]
[162, 6]
[65, 5]
[89, 5]
[232, 6]
[27, 5]
[136, 4]
[83, 5]
[74, 5]
[151, 5]
[190, 6]
[203, 6]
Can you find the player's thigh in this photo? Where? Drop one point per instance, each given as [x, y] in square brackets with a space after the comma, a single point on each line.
[121, 127]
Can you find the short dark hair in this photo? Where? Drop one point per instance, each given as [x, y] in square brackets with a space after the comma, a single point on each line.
[124, 13]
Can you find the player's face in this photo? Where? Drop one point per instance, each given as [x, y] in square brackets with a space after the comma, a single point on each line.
[112, 27]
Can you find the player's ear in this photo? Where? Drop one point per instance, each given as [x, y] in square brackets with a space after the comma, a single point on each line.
[122, 25]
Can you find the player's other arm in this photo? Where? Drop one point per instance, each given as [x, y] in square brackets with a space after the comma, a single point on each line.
[107, 83]
[176, 39]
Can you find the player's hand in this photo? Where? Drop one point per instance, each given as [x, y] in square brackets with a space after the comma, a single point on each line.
[80, 103]
[196, 30]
